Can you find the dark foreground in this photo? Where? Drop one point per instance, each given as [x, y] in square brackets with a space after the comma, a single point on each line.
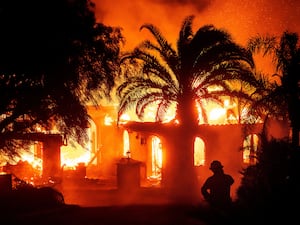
[106, 215]
[99, 204]
[96, 203]
[93, 204]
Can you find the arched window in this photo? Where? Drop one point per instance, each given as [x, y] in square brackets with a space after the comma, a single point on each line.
[199, 152]
[126, 145]
[250, 149]
[156, 157]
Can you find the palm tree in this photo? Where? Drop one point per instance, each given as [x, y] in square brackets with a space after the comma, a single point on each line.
[282, 99]
[204, 67]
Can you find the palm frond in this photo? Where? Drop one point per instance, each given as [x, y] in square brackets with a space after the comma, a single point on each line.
[208, 36]
[145, 101]
[266, 44]
[151, 64]
[186, 31]
[161, 40]
[169, 57]
[204, 59]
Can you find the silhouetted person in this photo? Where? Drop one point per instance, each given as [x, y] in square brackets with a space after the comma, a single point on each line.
[216, 189]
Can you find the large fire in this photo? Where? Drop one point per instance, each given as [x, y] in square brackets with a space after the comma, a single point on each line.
[74, 154]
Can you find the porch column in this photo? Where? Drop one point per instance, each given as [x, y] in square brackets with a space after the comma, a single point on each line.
[51, 156]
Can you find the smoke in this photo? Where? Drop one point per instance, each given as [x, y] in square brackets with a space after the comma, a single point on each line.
[131, 15]
[241, 18]
[198, 5]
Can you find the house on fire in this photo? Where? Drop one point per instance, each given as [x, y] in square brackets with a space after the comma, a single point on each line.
[111, 141]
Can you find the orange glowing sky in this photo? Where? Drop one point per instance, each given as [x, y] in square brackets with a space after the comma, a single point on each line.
[242, 18]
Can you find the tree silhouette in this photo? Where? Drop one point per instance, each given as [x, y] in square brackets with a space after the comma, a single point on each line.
[54, 58]
[272, 183]
[277, 168]
[282, 100]
[205, 66]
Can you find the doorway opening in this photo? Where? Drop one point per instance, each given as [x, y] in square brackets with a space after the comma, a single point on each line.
[156, 159]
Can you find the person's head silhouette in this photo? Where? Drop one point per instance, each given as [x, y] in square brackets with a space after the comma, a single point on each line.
[216, 166]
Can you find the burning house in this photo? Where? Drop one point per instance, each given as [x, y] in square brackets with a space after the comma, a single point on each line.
[112, 142]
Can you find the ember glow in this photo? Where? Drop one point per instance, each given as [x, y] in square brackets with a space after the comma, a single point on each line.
[72, 156]
[241, 18]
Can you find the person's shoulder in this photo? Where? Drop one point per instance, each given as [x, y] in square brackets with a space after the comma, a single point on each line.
[229, 177]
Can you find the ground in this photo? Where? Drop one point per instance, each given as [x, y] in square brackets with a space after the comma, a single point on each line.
[113, 215]
[91, 202]
[101, 202]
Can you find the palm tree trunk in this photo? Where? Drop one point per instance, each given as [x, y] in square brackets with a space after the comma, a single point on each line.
[179, 174]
